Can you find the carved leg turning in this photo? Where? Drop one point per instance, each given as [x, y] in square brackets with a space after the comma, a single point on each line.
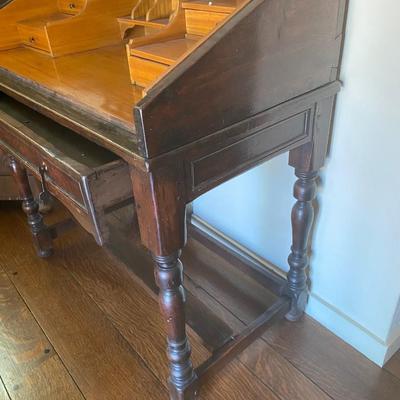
[169, 278]
[160, 206]
[41, 235]
[302, 218]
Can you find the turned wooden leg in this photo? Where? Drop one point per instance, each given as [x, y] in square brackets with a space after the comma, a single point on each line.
[169, 278]
[41, 235]
[160, 206]
[302, 218]
[307, 159]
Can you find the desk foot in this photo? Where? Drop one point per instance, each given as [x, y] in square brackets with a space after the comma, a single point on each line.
[42, 239]
[169, 278]
[302, 219]
[189, 392]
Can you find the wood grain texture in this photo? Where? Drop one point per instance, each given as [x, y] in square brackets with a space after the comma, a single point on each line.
[203, 256]
[98, 80]
[100, 360]
[30, 368]
[305, 37]
[58, 33]
[76, 171]
[341, 372]
[312, 354]
[268, 364]
[101, 275]
[279, 374]
[295, 362]
[126, 242]
[17, 10]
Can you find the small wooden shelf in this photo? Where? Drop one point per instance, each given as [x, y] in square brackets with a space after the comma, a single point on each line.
[165, 52]
[61, 27]
[149, 57]
[128, 22]
[223, 6]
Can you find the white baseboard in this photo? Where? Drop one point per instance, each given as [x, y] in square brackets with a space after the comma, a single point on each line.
[326, 314]
[350, 331]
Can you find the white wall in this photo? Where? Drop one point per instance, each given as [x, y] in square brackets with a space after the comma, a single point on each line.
[356, 247]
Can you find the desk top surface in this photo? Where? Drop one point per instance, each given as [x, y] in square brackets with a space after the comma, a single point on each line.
[95, 82]
[226, 80]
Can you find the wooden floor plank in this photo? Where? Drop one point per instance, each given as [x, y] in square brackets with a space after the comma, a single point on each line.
[393, 365]
[124, 243]
[262, 360]
[30, 369]
[291, 362]
[333, 365]
[316, 353]
[286, 381]
[100, 360]
[135, 313]
[220, 278]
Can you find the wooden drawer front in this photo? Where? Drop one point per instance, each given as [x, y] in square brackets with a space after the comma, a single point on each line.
[144, 72]
[239, 156]
[71, 6]
[201, 23]
[89, 180]
[34, 158]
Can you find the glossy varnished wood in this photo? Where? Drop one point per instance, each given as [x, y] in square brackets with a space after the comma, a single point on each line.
[99, 359]
[58, 28]
[145, 331]
[99, 276]
[94, 86]
[72, 168]
[30, 367]
[201, 124]
[255, 81]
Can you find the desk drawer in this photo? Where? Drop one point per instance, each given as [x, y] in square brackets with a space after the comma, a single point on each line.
[89, 180]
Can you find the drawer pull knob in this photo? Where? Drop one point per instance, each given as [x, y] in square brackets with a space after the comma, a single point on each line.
[45, 199]
[72, 6]
[32, 39]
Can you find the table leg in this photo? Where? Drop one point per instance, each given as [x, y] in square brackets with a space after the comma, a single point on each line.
[169, 277]
[41, 235]
[160, 209]
[302, 218]
[307, 161]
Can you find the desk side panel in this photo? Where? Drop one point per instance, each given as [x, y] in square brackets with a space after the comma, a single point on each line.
[268, 52]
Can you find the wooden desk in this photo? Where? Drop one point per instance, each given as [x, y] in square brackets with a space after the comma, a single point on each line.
[262, 83]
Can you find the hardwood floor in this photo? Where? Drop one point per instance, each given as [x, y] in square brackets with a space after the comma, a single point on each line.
[82, 325]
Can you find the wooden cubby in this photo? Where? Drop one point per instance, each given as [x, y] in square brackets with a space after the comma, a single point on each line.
[60, 27]
[148, 17]
[150, 55]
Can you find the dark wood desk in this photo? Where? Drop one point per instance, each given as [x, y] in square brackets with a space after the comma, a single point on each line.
[261, 84]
